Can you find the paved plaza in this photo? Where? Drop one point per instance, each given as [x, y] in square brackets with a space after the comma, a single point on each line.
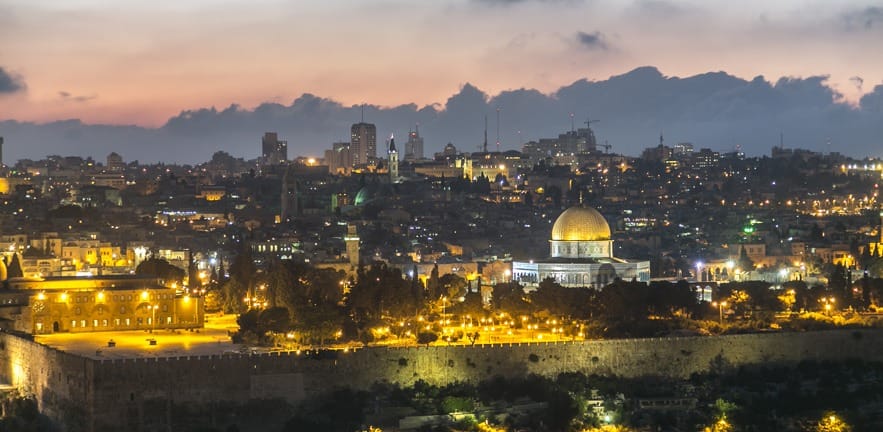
[211, 340]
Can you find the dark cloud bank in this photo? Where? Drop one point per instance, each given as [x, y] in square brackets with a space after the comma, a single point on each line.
[714, 110]
[10, 83]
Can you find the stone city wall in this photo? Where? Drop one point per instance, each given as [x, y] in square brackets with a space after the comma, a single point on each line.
[61, 382]
[145, 394]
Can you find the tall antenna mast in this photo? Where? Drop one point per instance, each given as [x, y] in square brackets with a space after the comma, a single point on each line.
[498, 129]
[363, 114]
[484, 147]
[572, 128]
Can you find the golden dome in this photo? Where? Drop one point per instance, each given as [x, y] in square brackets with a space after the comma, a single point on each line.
[580, 224]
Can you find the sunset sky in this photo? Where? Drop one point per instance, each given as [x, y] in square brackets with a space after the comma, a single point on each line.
[142, 62]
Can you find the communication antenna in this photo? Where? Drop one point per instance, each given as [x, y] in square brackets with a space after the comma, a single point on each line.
[498, 129]
[484, 147]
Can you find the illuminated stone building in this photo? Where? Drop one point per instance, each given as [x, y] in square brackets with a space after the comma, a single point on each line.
[580, 255]
[76, 305]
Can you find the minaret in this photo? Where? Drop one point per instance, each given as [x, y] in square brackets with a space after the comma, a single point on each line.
[352, 245]
[393, 160]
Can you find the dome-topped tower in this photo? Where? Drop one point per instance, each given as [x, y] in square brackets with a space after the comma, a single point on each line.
[581, 232]
[581, 224]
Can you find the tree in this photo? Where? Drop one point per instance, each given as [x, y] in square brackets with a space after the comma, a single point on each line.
[471, 305]
[509, 297]
[276, 320]
[192, 273]
[426, 337]
[744, 263]
[279, 285]
[243, 268]
[318, 323]
[232, 294]
[832, 423]
[453, 286]
[837, 280]
[558, 300]
[432, 285]
[13, 270]
[23, 414]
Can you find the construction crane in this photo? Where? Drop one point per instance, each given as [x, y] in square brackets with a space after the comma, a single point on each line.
[606, 147]
[589, 122]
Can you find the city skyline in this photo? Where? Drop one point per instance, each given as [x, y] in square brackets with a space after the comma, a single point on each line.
[166, 66]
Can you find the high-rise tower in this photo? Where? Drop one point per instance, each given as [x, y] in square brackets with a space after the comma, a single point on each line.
[393, 160]
[273, 151]
[363, 143]
[290, 204]
[414, 146]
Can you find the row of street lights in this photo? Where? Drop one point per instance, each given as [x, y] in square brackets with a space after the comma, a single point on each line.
[828, 303]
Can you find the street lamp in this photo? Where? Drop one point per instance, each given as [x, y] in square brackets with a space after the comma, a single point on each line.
[829, 304]
[720, 310]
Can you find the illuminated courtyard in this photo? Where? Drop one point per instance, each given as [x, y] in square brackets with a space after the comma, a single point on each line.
[214, 339]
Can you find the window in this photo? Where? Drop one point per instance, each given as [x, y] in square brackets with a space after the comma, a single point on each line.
[94, 323]
[128, 321]
[73, 323]
[82, 323]
[122, 309]
[104, 323]
[168, 320]
[116, 322]
[39, 326]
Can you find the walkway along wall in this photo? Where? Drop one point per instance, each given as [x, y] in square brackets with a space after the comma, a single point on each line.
[142, 394]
